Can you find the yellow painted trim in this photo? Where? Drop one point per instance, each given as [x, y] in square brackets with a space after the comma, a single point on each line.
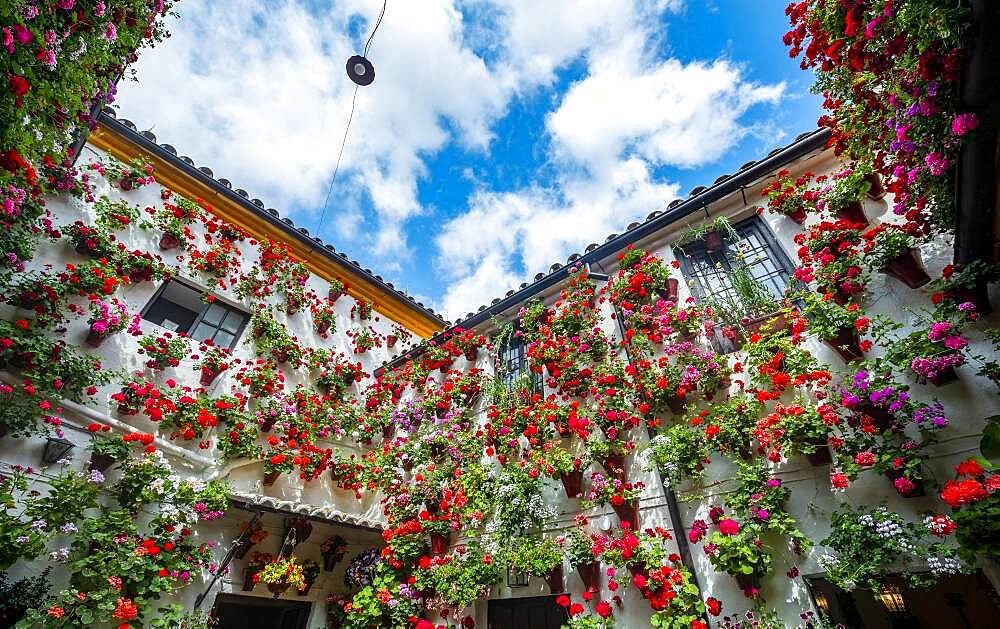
[394, 307]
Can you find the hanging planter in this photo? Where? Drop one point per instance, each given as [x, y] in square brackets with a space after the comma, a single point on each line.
[555, 580]
[917, 489]
[277, 589]
[945, 376]
[334, 295]
[776, 322]
[305, 591]
[847, 344]
[881, 418]
[670, 292]
[978, 295]
[169, 241]
[799, 215]
[270, 477]
[821, 455]
[628, 512]
[95, 339]
[471, 354]
[439, 543]
[390, 341]
[208, 376]
[292, 305]
[713, 241]
[590, 575]
[100, 462]
[322, 327]
[387, 431]
[746, 581]
[302, 530]
[572, 483]
[876, 190]
[853, 212]
[614, 465]
[907, 269]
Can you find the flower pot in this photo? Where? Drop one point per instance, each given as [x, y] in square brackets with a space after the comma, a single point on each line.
[349, 378]
[676, 403]
[877, 190]
[305, 591]
[776, 322]
[669, 293]
[918, 484]
[303, 529]
[277, 589]
[444, 368]
[471, 354]
[638, 569]
[628, 512]
[248, 584]
[572, 482]
[95, 339]
[84, 250]
[978, 295]
[746, 581]
[270, 477]
[614, 465]
[140, 275]
[292, 306]
[267, 425]
[169, 241]
[555, 580]
[591, 575]
[439, 543]
[322, 327]
[242, 548]
[281, 357]
[125, 409]
[100, 462]
[944, 377]
[881, 418]
[387, 431]
[846, 344]
[821, 455]
[853, 213]
[208, 376]
[390, 341]
[713, 241]
[907, 269]
[799, 215]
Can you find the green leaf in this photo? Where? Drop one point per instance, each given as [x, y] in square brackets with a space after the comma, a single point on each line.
[989, 445]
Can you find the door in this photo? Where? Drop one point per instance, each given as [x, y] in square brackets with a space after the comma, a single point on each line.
[537, 612]
[253, 612]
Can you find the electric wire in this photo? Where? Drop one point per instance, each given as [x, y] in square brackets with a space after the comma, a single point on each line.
[343, 142]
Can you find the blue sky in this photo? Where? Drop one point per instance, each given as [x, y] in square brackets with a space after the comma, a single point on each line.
[499, 135]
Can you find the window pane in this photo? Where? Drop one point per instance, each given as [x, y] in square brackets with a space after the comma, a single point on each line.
[214, 314]
[224, 339]
[175, 308]
[233, 321]
[203, 331]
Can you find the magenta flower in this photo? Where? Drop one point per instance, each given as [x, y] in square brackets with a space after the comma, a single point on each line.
[729, 526]
[963, 123]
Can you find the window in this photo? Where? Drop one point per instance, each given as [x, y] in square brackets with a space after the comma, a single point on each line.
[765, 259]
[179, 307]
[514, 363]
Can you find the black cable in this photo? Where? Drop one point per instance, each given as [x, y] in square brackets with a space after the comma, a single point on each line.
[336, 168]
[377, 22]
[343, 143]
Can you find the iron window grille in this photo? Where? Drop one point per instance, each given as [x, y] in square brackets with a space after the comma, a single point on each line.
[513, 358]
[708, 272]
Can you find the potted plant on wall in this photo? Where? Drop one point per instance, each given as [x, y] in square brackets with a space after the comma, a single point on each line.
[540, 558]
[212, 362]
[333, 550]
[278, 461]
[838, 326]
[558, 462]
[281, 574]
[106, 451]
[844, 196]
[737, 549]
[623, 497]
[889, 249]
[337, 288]
[310, 572]
[791, 197]
[251, 534]
[324, 319]
[583, 554]
[108, 318]
[713, 235]
[164, 350]
[251, 573]
[679, 453]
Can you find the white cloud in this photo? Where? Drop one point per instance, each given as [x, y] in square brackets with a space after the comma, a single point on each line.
[256, 90]
[629, 114]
